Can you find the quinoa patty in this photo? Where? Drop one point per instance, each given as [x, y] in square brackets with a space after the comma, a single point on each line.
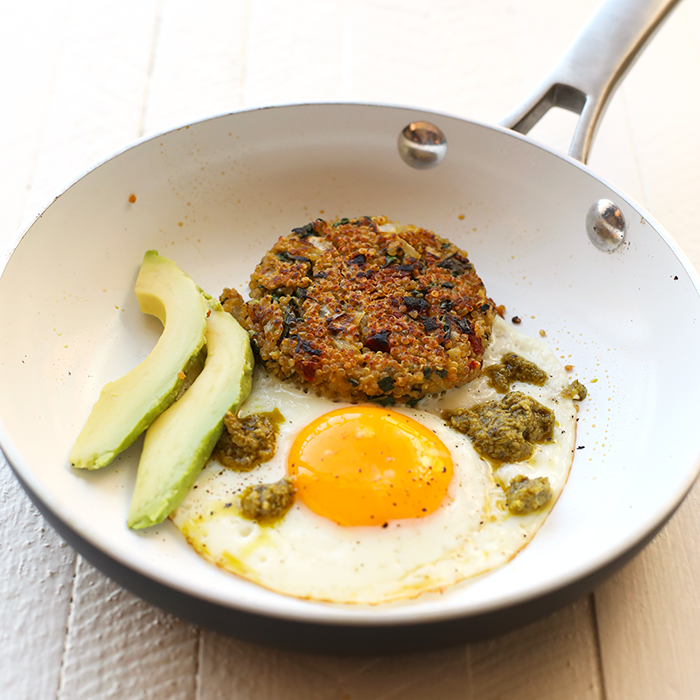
[366, 310]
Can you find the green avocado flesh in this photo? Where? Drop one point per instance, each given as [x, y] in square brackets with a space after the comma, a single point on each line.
[180, 441]
[127, 406]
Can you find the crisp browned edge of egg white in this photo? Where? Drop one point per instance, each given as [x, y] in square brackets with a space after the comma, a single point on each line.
[308, 556]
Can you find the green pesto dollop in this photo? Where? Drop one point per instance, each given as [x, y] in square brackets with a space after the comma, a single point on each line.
[268, 502]
[513, 368]
[575, 391]
[247, 442]
[508, 429]
[525, 495]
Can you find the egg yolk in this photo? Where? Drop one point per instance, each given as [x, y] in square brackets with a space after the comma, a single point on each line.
[365, 466]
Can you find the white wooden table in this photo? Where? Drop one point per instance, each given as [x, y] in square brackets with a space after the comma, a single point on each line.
[81, 79]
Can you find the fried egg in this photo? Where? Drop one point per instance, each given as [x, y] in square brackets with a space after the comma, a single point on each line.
[391, 503]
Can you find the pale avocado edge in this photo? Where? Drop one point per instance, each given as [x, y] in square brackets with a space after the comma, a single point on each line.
[99, 457]
[147, 510]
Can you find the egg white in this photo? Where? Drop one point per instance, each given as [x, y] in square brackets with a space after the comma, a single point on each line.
[308, 556]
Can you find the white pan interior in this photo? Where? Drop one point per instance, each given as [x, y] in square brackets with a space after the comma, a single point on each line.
[215, 195]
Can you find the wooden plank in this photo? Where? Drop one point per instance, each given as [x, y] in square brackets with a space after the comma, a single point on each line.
[36, 567]
[233, 669]
[198, 63]
[249, 672]
[556, 658]
[228, 55]
[30, 41]
[118, 647]
[649, 614]
[472, 53]
[562, 649]
[72, 100]
[662, 104]
[96, 105]
[292, 52]
[36, 570]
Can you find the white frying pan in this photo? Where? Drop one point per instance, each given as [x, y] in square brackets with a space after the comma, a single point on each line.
[215, 195]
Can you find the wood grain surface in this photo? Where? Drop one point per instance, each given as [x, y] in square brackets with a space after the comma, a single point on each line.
[82, 79]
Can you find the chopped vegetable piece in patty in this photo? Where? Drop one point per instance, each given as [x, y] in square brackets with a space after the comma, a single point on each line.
[367, 310]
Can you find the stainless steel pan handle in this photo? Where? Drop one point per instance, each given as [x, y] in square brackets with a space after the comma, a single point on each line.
[586, 76]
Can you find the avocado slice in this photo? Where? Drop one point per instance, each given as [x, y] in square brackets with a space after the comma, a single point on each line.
[180, 441]
[127, 406]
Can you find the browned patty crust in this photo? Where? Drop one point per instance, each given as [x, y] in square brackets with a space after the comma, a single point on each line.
[367, 310]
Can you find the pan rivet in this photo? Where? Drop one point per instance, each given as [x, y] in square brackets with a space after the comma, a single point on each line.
[422, 145]
[605, 225]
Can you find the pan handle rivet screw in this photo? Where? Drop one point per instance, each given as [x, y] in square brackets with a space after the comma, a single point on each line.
[606, 225]
[422, 145]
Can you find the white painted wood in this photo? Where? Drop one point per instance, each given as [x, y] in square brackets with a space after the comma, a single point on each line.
[662, 104]
[72, 83]
[198, 62]
[555, 658]
[36, 570]
[31, 42]
[36, 567]
[377, 71]
[88, 78]
[96, 105]
[117, 646]
[372, 70]
[293, 52]
[649, 614]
